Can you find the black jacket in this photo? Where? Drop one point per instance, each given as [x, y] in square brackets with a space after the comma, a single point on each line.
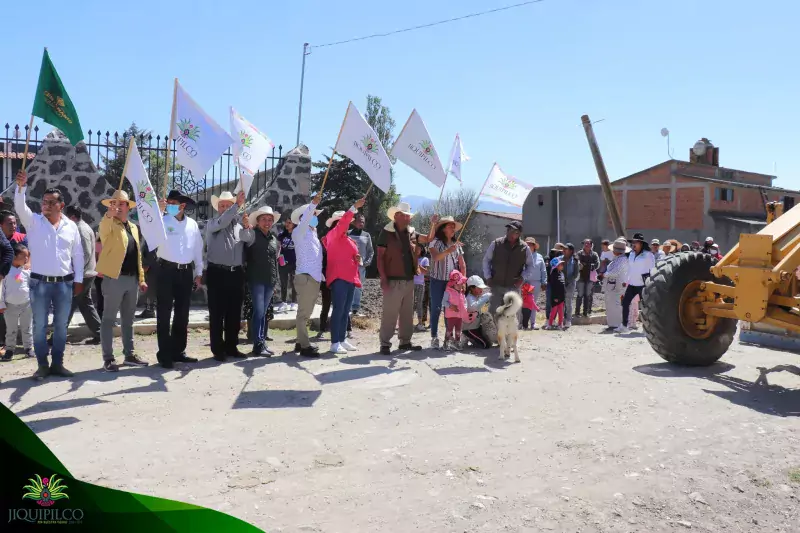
[558, 286]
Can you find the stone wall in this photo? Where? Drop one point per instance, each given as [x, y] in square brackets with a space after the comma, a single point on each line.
[69, 168]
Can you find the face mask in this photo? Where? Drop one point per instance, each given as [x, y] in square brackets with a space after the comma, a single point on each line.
[313, 222]
[173, 209]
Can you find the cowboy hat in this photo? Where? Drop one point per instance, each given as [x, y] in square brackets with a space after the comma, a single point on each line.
[402, 207]
[263, 210]
[531, 240]
[337, 215]
[175, 194]
[121, 196]
[225, 196]
[621, 246]
[638, 237]
[295, 218]
[674, 245]
[447, 220]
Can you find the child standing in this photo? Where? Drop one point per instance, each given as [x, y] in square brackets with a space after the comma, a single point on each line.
[528, 305]
[454, 304]
[15, 303]
[419, 286]
[558, 292]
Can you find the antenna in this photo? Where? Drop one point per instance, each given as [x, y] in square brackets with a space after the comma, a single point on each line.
[665, 134]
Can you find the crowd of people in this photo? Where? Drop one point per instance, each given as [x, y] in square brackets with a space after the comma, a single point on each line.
[241, 261]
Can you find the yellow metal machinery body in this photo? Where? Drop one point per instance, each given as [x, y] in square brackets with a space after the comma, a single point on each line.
[763, 270]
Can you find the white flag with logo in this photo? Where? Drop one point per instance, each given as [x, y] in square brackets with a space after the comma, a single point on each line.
[250, 147]
[148, 213]
[457, 156]
[358, 141]
[415, 148]
[199, 141]
[506, 189]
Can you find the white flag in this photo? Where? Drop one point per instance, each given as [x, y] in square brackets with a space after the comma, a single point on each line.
[358, 141]
[245, 182]
[506, 189]
[457, 156]
[250, 146]
[150, 221]
[415, 148]
[199, 140]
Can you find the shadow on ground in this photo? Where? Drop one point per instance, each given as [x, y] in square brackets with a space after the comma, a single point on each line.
[757, 395]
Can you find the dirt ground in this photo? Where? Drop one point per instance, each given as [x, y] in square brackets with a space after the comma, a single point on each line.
[590, 433]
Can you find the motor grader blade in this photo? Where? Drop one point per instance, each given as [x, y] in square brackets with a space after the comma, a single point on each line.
[769, 336]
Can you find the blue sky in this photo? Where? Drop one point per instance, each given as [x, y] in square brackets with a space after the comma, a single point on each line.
[514, 83]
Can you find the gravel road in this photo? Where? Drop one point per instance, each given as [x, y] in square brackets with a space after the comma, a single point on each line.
[590, 433]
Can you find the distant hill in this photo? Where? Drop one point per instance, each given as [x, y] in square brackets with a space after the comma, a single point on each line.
[418, 202]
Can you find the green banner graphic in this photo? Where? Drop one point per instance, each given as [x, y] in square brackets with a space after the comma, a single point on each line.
[38, 492]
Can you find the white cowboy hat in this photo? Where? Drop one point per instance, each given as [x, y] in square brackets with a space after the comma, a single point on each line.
[121, 196]
[263, 210]
[226, 196]
[334, 217]
[295, 218]
[402, 207]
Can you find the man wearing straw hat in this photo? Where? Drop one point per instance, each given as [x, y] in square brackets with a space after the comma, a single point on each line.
[56, 272]
[120, 263]
[507, 263]
[397, 265]
[179, 258]
[308, 272]
[225, 275]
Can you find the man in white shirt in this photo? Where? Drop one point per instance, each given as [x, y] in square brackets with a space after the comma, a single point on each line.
[308, 273]
[178, 258]
[56, 273]
[640, 261]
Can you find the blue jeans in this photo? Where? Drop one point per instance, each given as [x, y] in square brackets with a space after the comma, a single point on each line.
[438, 286]
[43, 295]
[262, 296]
[362, 273]
[342, 297]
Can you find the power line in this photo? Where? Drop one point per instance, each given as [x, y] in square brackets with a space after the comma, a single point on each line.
[471, 15]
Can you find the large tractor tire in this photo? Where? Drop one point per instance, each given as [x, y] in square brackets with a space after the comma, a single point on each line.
[670, 316]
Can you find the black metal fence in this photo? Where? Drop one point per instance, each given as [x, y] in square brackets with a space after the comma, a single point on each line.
[109, 150]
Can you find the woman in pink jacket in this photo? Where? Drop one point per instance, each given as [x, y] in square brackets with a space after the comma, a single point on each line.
[342, 275]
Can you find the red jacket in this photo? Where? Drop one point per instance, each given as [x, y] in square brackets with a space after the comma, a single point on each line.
[342, 252]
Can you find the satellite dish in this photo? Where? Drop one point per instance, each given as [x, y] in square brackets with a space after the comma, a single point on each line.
[664, 132]
[699, 148]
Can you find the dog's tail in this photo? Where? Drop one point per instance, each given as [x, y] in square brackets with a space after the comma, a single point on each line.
[512, 302]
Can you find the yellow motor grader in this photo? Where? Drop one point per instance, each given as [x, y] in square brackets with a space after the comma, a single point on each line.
[691, 304]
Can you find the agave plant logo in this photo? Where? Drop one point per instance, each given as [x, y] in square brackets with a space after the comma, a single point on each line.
[507, 183]
[427, 147]
[45, 490]
[146, 193]
[246, 138]
[370, 143]
[189, 130]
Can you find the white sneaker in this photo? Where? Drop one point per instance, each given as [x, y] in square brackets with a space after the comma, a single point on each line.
[293, 307]
[435, 343]
[347, 346]
[568, 324]
[622, 329]
[535, 327]
[337, 348]
[282, 308]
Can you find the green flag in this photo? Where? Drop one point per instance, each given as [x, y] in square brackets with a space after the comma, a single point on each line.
[52, 103]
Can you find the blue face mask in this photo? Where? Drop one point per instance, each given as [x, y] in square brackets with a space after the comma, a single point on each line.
[313, 222]
[173, 209]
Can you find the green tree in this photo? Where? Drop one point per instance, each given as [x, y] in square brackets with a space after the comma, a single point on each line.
[347, 182]
[151, 150]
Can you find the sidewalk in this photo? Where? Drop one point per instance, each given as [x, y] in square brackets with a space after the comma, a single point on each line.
[198, 319]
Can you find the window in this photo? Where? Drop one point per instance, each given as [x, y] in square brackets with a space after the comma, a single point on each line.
[722, 194]
[788, 203]
[541, 200]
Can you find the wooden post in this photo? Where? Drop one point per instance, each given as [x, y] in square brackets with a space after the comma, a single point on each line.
[169, 136]
[27, 141]
[605, 184]
[131, 147]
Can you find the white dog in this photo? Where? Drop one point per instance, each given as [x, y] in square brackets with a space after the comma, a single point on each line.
[507, 324]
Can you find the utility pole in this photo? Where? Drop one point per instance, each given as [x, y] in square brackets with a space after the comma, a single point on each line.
[302, 79]
[611, 202]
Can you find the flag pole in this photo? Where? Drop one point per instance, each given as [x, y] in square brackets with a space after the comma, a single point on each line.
[330, 161]
[371, 185]
[475, 204]
[446, 175]
[169, 137]
[125, 166]
[27, 141]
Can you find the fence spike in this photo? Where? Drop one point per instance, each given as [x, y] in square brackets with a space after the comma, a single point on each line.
[36, 128]
[90, 134]
[7, 125]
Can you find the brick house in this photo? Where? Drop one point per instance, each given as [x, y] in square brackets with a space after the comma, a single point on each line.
[684, 200]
